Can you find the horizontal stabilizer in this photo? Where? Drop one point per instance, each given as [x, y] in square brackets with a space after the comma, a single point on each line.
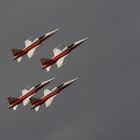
[16, 51]
[34, 100]
[48, 68]
[15, 107]
[45, 60]
[19, 59]
[11, 100]
[37, 108]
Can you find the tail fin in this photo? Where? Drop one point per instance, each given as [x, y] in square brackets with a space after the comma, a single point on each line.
[45, 60]
[16, 51]
[34, 100]
[11, 100]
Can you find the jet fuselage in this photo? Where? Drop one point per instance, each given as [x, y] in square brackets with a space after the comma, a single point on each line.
[62, 54]
[33, 45]
[30, 93]
[53, 93]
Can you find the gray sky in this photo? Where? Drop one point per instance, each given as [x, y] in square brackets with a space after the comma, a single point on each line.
[104, 103]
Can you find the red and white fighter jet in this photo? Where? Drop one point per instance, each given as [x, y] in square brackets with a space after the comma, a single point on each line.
[30, 46]
[26, 95]
[49, 95]
[59, 55]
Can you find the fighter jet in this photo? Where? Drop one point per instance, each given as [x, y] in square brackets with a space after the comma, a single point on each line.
[49, 95]
[26, 94]
[59, 55]
[30, 46]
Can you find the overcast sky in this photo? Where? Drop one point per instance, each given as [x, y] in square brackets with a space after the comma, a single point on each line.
[104, 103]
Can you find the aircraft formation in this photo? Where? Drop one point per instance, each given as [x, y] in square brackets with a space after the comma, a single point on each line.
[58, 59]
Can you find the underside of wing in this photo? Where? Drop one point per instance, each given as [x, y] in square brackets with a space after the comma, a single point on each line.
[31, 52]
[28, 43]
[24, 91]
[26, 101]
[49, 101]
[46, 92]
[60, 62]
[56, 51]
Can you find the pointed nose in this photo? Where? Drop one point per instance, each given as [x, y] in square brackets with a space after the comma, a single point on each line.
[48, 81]
[51, 33]
[71, 81]
[77, 43]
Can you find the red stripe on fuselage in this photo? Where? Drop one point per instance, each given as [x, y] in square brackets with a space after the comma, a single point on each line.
[56, 58]
[22, 98]
[26, 50]
[62, 54]
[44, 99]
[33, 91]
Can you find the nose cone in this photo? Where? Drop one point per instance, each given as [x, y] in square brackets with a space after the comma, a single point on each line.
[77, 43]
[71, 81]
[51, 33]
[47, 82]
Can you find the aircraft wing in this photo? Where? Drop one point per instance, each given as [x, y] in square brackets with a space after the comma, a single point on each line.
[56, 51]
[46, 92]
[49, 101]
[31, 52]
[27, 100]
[60, 62]
[28, 43]
[24, 91]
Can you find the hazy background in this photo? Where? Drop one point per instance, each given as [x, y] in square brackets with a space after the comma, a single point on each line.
[104, 103]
